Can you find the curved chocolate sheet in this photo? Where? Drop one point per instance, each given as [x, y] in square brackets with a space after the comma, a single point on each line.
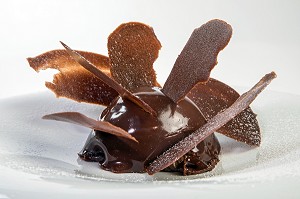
[82, 120]
[73, 81]
[197, 59]
[133, 48]
[215, 96]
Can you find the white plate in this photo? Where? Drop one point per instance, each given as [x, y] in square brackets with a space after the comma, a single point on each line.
[38, 159]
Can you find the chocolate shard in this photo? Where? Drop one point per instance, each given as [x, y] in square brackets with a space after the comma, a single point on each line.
[73, 81]
[197, 59]
[188, 143]
[82, 120]
[124, 93]
[133, 48]
[213, 97]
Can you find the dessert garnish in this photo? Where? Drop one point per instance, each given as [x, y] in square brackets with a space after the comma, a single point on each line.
[146, 128]
[80, 119]
[212, 125]
[124, 93]
[197, 59]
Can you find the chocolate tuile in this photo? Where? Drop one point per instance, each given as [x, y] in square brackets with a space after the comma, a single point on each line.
[73, 81]
[82, 120]
[213, 97]
[182, 147]
[197, 59]
[124, 93]
[133, 48]
[60, 59]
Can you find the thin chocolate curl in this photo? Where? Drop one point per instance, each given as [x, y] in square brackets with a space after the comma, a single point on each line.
[213, 97]
[188, 143]
[132, 49]
[82, 120]
[73, 81]
[197, 59]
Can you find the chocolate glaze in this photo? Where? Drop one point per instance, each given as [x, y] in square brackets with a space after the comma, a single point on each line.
[155, 134]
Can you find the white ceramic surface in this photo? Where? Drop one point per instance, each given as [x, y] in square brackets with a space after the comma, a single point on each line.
[38, 158]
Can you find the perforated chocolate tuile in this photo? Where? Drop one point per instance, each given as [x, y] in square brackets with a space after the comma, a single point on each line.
[197, 59]
[188, 143]
[133, 48]
[80, 119]
[73, 81]
[213, 97]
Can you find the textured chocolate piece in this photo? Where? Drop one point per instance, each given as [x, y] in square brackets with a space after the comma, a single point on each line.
[197, 59]
[107, 80]
[80, 119]
[132, 49]
[213, 97]
[73, 81]
[188, 143]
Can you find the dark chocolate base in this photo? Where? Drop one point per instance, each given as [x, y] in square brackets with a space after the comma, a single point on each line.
[201, 159]
[154, 135]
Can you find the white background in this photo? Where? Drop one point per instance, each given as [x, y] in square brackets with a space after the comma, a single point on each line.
[266, 36]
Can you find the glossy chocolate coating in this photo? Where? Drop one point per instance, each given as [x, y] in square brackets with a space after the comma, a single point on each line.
[154, 135]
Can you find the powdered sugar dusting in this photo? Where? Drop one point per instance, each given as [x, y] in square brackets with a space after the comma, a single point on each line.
[214, 97]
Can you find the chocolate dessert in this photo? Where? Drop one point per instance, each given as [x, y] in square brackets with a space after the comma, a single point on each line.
[146, 128]
[154, 134]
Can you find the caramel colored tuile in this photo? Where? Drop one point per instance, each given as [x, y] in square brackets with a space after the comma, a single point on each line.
[189, 142]
[73, 81]
[80, 119]
[213, 97]
[133, 48]
[107, 80]
[197, 59]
